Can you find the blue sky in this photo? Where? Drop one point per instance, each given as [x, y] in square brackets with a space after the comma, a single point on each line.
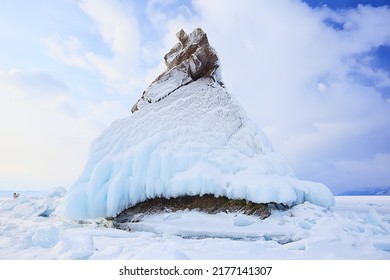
[314, 76]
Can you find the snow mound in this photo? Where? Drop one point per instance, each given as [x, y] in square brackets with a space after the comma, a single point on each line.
[187, 136]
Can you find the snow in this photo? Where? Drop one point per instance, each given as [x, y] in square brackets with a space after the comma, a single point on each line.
[196, 140]
[355, 228]
[241, 221]
[373, 218]
[45, 237]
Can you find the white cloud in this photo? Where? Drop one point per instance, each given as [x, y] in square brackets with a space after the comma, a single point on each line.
[321, 87]
[116, 24]
[32, 132]
[105, 112]
[68, 51]
[42, 142]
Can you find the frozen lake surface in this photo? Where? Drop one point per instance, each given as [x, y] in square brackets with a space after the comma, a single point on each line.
[31, 227]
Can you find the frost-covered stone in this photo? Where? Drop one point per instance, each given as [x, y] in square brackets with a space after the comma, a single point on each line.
[190, 59]
[187, 136]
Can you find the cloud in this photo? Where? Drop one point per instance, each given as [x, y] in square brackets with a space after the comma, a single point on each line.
[117, 26]
[44, 140]
[134, 40]
[68, 51]
[30, 140]
[39, 83]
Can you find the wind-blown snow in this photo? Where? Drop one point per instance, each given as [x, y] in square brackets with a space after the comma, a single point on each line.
[356, 228]
[194, 141]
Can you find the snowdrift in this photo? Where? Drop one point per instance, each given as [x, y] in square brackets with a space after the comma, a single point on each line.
[187, 135]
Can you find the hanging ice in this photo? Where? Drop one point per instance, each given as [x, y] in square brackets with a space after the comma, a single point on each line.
[186, 135]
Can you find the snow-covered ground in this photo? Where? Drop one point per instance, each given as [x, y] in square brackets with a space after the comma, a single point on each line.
[357, 228]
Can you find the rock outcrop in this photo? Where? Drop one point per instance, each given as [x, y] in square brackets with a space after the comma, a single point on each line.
[190, 59]
[187, 145]
[206, 203]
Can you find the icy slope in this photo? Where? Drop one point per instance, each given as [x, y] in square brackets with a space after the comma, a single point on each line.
[187, 136]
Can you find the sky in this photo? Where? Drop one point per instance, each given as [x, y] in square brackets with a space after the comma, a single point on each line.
[314, 76]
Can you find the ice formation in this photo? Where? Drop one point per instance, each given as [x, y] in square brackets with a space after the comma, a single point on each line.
[186, 135]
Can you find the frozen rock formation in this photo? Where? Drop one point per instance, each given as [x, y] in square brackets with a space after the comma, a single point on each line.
[190, 59]
[186, 136]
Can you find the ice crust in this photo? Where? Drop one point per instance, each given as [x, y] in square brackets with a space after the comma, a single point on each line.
[356, 228]
[187, 136]
[195, 141]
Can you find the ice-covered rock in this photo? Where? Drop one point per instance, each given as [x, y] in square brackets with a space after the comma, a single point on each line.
[190, 59]
[186, 135]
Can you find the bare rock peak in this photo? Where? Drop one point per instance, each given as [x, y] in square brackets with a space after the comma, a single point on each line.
[192, 49]
[190, 59]
[183, 37]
